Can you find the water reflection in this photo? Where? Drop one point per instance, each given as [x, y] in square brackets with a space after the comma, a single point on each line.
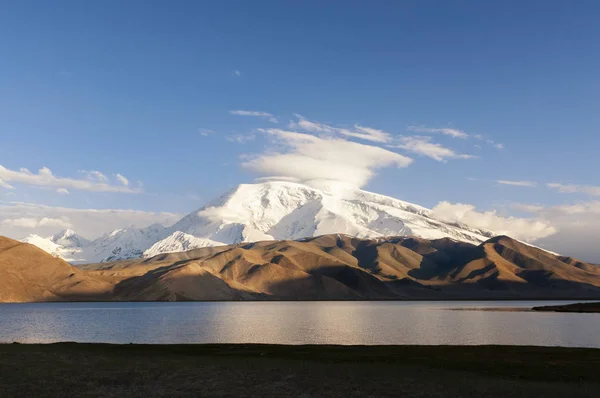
[296, 323]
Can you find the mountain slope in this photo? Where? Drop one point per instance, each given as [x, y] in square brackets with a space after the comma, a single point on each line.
[28, 273]
[267, 211]
[344, 267]
[284, 210]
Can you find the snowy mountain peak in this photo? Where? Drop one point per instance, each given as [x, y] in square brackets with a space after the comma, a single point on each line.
[68, 238]
[276, 210]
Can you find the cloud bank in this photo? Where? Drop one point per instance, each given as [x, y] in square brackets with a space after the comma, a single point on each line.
[18, 219]
[95, 181]
[577, 227]
[527, 229]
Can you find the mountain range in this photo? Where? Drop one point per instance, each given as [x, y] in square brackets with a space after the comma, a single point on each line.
[333, 266]
[274, 210]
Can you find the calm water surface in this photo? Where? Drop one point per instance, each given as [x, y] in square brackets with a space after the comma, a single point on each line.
[297, 323]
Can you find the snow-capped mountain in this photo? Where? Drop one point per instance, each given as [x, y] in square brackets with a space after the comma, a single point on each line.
[66, 244]
[284, 210]
[266, 211]
[68, 238]
[178, 242]
[117, 245]
[124, 243]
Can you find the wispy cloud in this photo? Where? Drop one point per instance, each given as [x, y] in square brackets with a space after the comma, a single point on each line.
[368, 134]
[264, 115]
[361, 132]
[423, 146]
[530, 184]
[237, 73]
[456, 133]
[63, 191]
[240, 138]
[307, 158]
[6, 185]
[93, 175]
[446, 131]
[122, 179]
[96, 181]
[573, 188]
[205, 132]
[493, 143]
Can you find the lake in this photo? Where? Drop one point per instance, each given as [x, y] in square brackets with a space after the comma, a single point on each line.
[432, 322]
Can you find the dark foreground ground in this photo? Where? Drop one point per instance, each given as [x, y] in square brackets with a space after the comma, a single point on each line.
[578, 307]
[84, 370]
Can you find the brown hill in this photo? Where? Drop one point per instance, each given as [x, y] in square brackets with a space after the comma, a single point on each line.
[28, 273]
[335, 267]
[344, 267]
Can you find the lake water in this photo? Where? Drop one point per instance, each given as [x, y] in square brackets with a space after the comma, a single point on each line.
[298, 323]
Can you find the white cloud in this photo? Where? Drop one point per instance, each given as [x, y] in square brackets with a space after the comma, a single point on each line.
[93, 175]
[572, 188]
[424, 146]
[96, 182]
[5, 185]
[527, 229]
[31, 223]
[530, 184]
[446, 131]
[368, 134]
[91, 223]
[313, 127]
[308, 158]
[205, 132]
[456, 133]
[240, 138]
[578, 227]
[264, 115]
[122, 179]
[490, 142]
[237, 73]
[361, 132]
[63, 191]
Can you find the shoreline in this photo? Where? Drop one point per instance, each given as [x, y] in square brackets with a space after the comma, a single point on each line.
[577, 299]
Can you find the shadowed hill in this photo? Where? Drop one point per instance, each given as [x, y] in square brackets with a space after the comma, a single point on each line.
[343, 267]
[28, 273]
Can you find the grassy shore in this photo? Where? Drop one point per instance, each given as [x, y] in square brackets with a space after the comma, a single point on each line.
[70, 369]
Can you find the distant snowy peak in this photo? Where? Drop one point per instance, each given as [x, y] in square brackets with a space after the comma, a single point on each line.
[67, 253]
[119, 244]
[125, 243]
[179, 242]
[267, 211]
[68, 238]
[45, 244]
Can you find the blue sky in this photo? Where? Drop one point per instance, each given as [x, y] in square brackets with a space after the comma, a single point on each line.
[131, 88]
